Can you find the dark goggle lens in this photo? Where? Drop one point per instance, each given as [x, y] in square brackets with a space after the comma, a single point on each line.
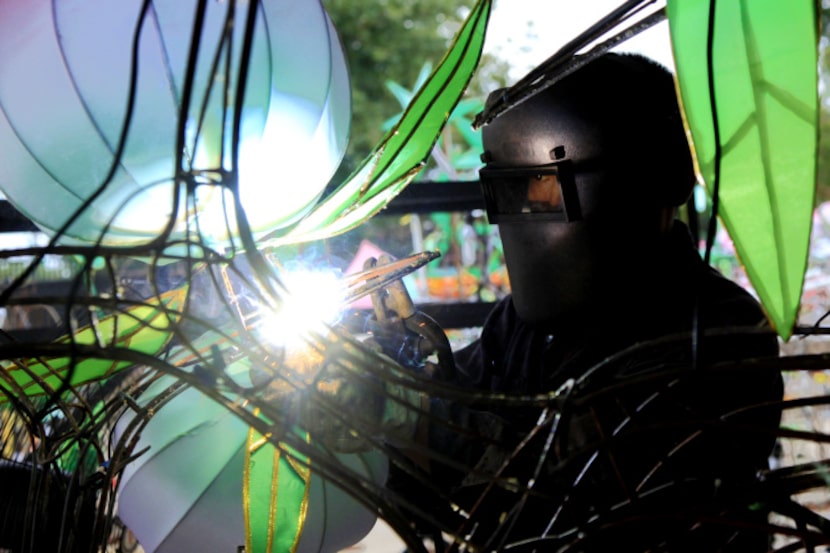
[515, 194]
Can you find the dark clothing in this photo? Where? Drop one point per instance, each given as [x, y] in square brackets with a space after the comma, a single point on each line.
[656, 427]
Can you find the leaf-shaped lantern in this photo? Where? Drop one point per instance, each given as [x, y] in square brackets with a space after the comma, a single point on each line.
[749, 88]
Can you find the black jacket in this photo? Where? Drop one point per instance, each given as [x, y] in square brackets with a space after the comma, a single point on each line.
[661, 422]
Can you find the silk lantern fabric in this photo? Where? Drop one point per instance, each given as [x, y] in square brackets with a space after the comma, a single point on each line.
[66, 75]
[185, 493]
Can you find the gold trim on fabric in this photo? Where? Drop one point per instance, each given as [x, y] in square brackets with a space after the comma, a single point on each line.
[272, 507]
[305, 474]
[246, 494]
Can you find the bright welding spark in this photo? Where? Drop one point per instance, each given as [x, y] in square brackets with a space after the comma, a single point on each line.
[312, 301]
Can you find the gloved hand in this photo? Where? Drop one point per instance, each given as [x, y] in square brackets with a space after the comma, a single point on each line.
[350, 396]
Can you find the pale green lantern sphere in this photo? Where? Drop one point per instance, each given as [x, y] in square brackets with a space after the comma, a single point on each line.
[66, 74]
[185, 493]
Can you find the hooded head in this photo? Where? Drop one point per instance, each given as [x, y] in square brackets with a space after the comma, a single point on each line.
[579, 176]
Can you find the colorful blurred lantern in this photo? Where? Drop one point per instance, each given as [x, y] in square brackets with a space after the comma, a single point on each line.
[94, 98]
[186, 492]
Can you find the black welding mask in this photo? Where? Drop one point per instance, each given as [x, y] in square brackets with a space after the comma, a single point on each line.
[573, 191]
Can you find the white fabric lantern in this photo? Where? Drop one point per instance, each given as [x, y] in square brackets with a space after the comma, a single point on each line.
[65, 80]
[185, 492]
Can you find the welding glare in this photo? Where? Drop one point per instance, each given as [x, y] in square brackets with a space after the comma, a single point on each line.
[312, 301]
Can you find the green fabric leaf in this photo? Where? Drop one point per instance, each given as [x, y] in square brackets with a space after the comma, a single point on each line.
[765, 77]
[143, 328]
[275, 496]
[401, 154]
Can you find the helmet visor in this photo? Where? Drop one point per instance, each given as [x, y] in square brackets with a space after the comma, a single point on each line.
[532, 193]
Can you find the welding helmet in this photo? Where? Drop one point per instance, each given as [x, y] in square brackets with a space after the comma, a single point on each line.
[578, 173]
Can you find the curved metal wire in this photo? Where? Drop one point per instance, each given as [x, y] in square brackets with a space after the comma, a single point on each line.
[65, 445]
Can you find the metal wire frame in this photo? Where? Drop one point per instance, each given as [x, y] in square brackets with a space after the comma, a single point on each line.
[42, 430]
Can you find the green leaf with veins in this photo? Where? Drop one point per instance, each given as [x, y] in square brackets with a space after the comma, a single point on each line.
[755, 138]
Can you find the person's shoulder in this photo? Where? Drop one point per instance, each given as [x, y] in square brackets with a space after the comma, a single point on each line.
[501, 321]
[474, 360]
[720, 301]
[726, 303]
[730, 313]
[503, 315]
